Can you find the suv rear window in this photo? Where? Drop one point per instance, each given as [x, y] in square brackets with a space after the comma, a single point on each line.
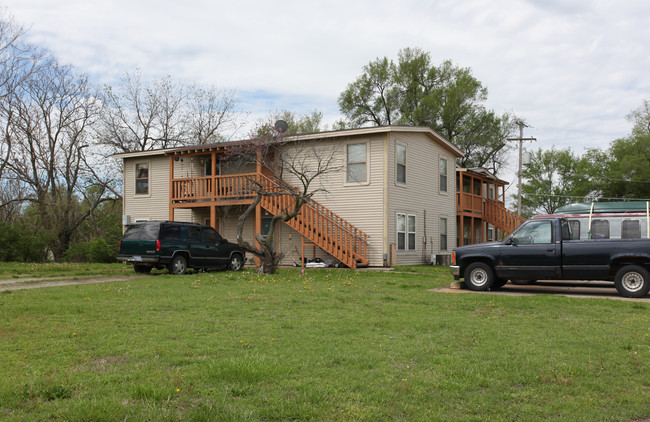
[146, 231]
[133, 232]
[170, 232]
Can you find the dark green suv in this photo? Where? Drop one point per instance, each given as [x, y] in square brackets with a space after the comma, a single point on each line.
[177, 246]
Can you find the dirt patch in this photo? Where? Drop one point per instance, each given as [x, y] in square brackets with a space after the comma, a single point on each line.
[35, 283]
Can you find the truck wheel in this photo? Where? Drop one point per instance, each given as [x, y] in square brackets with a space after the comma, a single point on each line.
[178, 265]
[479, 277]
[236, 262]
[632, 281]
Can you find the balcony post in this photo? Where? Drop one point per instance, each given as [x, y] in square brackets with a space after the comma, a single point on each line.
[213, 174]
[171, 186]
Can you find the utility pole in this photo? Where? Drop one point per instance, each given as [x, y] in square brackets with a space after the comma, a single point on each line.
[521, 140]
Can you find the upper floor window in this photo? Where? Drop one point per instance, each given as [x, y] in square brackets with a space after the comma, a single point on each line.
[401, 164]
[357, 163]
[405, 232]
[443, 174]
[142, 178]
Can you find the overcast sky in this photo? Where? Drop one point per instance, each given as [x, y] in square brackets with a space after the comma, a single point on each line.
[573, 69]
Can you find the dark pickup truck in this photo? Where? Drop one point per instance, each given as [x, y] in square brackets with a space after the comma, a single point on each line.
[543, 249]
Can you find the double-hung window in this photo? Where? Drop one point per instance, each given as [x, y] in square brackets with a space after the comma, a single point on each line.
[405, 232]
[400, 170]
[142, 178]
[442, 166]
[443, 234]
[357, 163]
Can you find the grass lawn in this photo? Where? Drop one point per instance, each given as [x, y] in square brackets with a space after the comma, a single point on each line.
[323, 345]
[20, 270]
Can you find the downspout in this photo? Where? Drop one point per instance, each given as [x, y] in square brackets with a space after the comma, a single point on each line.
[386, 240]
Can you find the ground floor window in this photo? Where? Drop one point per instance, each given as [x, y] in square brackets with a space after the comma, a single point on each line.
[405, 232]
[443, 234]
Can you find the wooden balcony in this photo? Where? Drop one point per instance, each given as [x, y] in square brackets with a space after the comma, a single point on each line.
[315, 222]
[469, 203]
[224, 190]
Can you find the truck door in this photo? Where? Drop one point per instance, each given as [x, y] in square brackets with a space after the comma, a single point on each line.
[531, 253]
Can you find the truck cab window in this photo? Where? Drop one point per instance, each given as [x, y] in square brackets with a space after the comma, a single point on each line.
[566, 231]
[534, 232]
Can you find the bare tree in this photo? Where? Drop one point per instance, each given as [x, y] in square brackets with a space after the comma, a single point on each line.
[18, 61]
[51, 113]
[212, 115]
[138, 116]
[292, 168]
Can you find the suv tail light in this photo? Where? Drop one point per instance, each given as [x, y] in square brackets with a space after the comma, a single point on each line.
[157, 245]
[119, 248]
[453, 258]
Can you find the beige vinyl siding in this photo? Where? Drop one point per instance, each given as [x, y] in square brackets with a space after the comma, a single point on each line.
[155, 204]
[421, 196]
[361, 203]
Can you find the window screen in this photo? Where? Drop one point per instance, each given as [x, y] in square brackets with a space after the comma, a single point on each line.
[600, 229]
[631, 229]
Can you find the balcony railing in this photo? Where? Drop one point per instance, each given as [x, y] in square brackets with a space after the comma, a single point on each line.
[213, 188]
[467, 202]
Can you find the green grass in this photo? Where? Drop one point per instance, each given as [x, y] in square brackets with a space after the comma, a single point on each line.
[18, 270]
[324, 345]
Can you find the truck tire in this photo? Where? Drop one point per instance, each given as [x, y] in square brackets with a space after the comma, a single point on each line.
[178, 266]
[632, 281]
[479, 277]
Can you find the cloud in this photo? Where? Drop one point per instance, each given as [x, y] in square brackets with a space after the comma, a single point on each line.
[573, 70]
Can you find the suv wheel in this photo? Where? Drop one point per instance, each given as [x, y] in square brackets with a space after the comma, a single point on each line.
[141, 268]
[236, 262]
[178, 265]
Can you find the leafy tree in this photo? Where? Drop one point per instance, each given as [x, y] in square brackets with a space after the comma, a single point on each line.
[298, 123]
[551, 181]
[446, 98]
[624, 169]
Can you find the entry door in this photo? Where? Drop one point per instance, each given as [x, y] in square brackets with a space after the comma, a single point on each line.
[531, 253]
[207, 167]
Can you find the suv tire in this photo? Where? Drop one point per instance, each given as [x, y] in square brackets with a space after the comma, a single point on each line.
[236, 262]
[178, 266]
[145, 269]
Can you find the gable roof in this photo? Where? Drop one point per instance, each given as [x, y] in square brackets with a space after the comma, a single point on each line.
[430, 133]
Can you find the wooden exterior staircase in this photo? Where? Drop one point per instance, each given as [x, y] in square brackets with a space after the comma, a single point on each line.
[499, 216]
[321, 226]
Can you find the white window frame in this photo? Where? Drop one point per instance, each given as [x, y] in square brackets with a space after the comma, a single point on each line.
[409, 242]
[398, 164]
[441, 174]
[444, 231]
[135, 174]
[349, 182]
